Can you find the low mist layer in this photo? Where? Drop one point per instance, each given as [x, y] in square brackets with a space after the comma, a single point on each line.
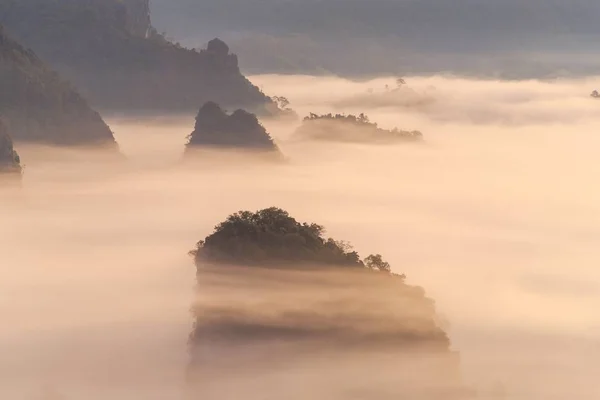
[299, 332]
[496, 215]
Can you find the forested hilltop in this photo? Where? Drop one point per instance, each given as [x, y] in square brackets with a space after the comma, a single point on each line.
[40, 106]
[351, 128]
[111, 52]
[267, 279]
[216, 129]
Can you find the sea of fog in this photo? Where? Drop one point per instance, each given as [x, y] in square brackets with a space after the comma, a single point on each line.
[496, 215]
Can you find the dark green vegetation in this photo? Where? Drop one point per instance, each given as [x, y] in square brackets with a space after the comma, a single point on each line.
[350, 128]
[40, 106]
[272, 236]
[110, 51]
[10, 162]
[240, 130]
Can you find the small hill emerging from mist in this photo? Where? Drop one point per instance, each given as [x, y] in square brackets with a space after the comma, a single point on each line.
[267, 279]
[40, 106]
[215, 128]
[272, 240]
[10, 162]
[272, 236]
[350, 128]
[111, 52]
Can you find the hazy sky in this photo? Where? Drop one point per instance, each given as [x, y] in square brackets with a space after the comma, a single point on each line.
[374, 37]
[496, 215]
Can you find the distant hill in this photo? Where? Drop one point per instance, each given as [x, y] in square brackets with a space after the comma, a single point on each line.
[39, 106]
[10, 162]
[351, 128]
[111, 52]
[215, 128]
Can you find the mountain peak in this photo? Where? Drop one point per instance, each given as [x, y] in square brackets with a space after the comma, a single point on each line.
[218, 47]
[241, 129]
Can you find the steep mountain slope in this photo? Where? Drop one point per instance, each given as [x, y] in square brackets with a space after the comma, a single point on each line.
[110, 51]
[40, 106]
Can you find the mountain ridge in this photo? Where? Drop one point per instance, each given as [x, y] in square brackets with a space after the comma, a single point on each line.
[39, 106]
[120, 63]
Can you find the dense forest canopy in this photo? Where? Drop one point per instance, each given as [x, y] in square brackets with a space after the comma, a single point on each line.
[272, 236]
[351, 128]
[40, 106]
[110, 51]
[238, 130]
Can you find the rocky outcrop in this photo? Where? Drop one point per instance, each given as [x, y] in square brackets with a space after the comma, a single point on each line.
[137, 18]
[109, 50]
[215, 128]
[10, 162]
[40, 106]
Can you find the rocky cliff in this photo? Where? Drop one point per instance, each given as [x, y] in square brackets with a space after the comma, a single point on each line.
[137, 18]
[109, 50]
[40, 106]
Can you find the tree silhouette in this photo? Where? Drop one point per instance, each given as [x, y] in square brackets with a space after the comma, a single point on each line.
[376, 262]
[282, 102]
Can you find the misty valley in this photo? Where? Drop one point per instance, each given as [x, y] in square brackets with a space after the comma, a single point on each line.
[172, 227]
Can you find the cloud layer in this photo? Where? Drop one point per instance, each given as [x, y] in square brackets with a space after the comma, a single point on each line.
[496, 215]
